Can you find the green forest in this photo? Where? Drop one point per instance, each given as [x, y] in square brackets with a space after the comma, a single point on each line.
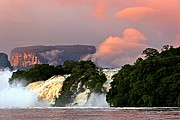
[84, 72]
[151, 82]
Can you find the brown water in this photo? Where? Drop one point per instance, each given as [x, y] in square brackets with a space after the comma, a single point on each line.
[90, 114]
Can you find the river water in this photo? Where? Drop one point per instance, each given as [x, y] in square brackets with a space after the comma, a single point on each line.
[89, 113]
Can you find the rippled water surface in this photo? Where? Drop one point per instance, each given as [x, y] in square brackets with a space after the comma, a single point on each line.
[90, 113]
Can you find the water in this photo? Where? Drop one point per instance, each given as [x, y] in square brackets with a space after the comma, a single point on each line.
[89, 113]
[71, 113]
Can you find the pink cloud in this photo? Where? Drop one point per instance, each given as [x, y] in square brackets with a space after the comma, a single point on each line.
[161, 16]
[52, 22]
[133, 36]
[116, 51]
[161, 12]
[137, 14]
[12, 11]
[99, 7]
[100, 10]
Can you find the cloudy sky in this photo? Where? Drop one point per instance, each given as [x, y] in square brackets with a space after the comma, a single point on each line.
[120, 29]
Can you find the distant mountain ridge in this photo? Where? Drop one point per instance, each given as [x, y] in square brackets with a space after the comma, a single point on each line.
[24, 57]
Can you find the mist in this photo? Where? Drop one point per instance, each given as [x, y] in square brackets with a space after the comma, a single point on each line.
[16, 95]
[53, 57]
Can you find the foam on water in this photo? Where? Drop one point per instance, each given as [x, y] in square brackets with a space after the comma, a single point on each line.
[43, 93]
[16, 95]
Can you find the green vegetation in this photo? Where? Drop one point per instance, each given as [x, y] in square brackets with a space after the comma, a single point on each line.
[154, 81]
[84, 74]
[37, 73]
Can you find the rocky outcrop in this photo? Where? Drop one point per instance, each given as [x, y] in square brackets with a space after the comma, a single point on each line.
[25, 57]
[4, 62]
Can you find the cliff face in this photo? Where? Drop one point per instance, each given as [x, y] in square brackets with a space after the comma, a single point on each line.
[24, 57]
[4, 62]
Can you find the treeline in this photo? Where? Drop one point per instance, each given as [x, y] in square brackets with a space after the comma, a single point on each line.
[37, 73]
[83, 75]
[154, 81]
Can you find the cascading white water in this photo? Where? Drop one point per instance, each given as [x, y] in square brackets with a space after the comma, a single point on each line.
[16, 95]
[47, 90]
[41, 94]
[88, 99]
[92, 99]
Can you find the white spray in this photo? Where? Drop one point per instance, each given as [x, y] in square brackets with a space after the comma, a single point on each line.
[16, 95]
[93, 99]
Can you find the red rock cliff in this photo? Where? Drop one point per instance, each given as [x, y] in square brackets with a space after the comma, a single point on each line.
[24, 59]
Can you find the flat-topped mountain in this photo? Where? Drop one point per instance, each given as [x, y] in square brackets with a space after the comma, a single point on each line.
[24, 57]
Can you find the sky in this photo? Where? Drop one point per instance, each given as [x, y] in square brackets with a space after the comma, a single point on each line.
[120, 29]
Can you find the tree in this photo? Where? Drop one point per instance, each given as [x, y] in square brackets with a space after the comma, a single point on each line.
[150, 52]
[149, 82]
[69, 65]
[166, 47]
[37, 73]
[84, 75]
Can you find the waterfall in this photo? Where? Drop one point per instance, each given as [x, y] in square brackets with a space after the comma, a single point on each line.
[44, 93]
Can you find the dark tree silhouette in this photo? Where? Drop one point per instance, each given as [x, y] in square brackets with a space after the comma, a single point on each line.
[150, 52]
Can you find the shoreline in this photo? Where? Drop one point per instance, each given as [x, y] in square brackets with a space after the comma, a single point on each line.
[107, 108]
